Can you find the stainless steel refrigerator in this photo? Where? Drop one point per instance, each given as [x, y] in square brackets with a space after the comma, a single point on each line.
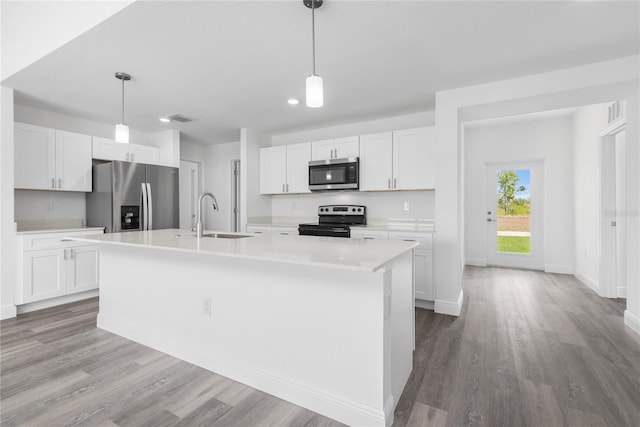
[133, 197]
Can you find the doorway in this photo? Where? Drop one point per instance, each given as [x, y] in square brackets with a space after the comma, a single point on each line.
[189, 191]
[514, 215]
[613, 237]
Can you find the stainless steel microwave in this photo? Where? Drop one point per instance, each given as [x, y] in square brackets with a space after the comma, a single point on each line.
[334, 174]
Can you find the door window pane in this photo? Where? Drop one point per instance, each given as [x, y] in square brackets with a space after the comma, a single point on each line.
[513, 205]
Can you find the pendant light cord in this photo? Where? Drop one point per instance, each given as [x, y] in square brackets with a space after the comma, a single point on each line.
[313, 34]
[122, 100]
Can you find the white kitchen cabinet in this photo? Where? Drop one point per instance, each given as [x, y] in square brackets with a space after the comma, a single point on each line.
[368, 234]
[108, 149]
[50, 159]
[53, 267]
[264, 229]
[413, 160]
[285, 169]
[422, 262]
[399, 160]
[338, 148]
[255, 229]
[287, 231]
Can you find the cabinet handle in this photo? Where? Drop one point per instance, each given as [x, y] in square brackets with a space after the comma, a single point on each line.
[283, 188]
[70, 253]
[53, 183]
[334, 153]
[389, 183]
[59, 182]
[368, 238]
[395, 183]
[409, 240]
[287, 188]
[65, 254]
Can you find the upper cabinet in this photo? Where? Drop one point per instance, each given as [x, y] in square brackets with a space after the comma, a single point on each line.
[108, 149]
[285, 169]
[49, 159]
[335, 148]
[399, 160]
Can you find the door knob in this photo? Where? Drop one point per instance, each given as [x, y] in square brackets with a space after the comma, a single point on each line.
[489, 220]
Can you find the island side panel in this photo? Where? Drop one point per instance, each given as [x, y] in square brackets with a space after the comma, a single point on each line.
[314, 336]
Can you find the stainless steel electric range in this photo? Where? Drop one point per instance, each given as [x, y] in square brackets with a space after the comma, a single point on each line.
[334, 221]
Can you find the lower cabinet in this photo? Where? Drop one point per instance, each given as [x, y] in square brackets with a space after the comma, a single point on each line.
[264, 229]
[53, 268]
[422, 257]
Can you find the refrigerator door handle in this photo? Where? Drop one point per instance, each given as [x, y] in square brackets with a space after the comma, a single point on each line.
[150, 207]
[145, 215]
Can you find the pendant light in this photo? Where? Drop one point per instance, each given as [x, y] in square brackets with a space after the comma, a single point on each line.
[315, 96]
[122, 130]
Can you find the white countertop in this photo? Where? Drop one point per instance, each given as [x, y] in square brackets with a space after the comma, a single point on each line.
[331, 252]
[61, 230]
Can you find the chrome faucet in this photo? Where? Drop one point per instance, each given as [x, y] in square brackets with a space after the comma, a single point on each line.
[199, 227]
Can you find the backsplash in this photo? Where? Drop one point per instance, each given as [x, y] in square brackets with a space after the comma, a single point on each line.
[37, 205]
[421, 204]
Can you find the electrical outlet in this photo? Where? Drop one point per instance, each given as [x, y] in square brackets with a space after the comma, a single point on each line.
[406, 206]
[50, 207]
[206, 306]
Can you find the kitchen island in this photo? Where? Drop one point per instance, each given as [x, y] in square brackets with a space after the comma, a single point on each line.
[325, 323]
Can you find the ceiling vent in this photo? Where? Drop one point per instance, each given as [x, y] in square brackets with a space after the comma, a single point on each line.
[180, 118]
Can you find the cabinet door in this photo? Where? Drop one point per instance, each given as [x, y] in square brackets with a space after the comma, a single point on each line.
[423, 274]
[347, 147]
[44, 275]
[144, 154]
[35, 157]
[73, 161]
[322, 150]
[273, 170]
[413, 161]
[82, 269]
[369, 234]
[375, 161]
[298, 157]
[108, 149]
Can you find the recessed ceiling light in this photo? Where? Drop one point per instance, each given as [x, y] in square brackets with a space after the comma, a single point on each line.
[293, 101]
[164, 120]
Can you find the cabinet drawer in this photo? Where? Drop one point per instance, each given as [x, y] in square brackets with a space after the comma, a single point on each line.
[258, 229]
[293, 231]
[369, 234]
[424, 239]
[36, 242]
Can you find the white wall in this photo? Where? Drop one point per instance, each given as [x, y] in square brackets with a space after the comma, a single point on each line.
[588, 121]
[8, 248]
[380, 205]
[49, 205]
[32, 30]
[550, 140]
[218, 180]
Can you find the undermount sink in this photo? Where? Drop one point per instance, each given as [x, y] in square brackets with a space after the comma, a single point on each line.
[217, 236]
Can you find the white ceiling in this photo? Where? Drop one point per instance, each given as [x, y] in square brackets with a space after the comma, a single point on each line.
[234, 64]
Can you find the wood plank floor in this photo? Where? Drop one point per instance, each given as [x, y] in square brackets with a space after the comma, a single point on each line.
[530, 349]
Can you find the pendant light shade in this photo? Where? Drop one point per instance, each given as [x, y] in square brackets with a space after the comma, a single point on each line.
[315, 93]
[122, 130]
[315, 90]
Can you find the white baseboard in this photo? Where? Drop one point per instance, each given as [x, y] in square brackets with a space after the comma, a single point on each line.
[476, 262]
[52, 302]
[344, 410]
[622, 291]
[558, 268]
[591, 283]
[421, 303]
[448, 307]
[632, 322]
[7, 312]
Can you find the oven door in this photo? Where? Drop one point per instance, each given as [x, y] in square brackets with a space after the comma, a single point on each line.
[334, 174]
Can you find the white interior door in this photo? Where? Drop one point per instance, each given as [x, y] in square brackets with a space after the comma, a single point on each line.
[189, 191]
[514, 215]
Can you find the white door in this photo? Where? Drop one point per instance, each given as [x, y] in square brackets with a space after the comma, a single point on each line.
[515, 215]
[35, 157]
[189, 191]
[347, 147]
[73, 161]
[413, 161]
[376, 151]
[82, 269]
[298, 157]
[273, 169]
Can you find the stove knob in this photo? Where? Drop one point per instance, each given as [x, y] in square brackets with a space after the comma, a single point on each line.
[353, 209]
[359, 209]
